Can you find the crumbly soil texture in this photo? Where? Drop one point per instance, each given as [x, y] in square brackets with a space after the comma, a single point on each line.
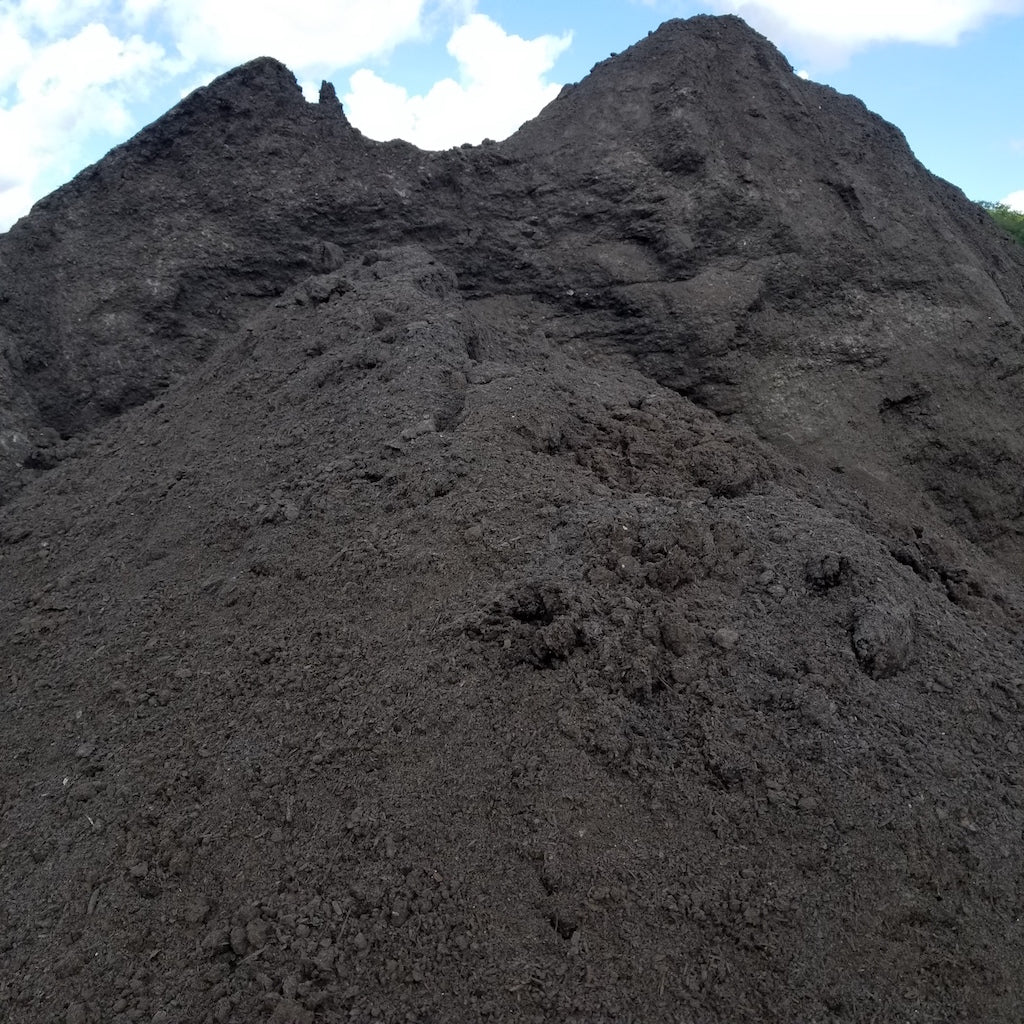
[572, 579]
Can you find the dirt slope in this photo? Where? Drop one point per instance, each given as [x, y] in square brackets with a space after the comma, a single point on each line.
[576, 579]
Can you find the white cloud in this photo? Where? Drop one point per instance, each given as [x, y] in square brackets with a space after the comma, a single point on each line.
[54, 17]
[94, 57]
[310, 34]
[1015, 201]
[58, 93]
[15, 199]
[137, 11]
[487, 54]
[15, 53]
[830, 31]
[502, 83]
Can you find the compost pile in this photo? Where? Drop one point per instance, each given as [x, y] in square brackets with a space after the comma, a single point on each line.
[571, 579]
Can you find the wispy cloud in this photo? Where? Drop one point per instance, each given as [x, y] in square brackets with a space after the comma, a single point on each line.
[1015, 201]
[61, 83]
[829, 32]
[307, 35]
[502, 83]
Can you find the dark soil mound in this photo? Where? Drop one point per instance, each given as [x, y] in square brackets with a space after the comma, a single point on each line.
[575, 579]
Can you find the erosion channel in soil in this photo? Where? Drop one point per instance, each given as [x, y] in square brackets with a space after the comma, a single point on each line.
[570, 579]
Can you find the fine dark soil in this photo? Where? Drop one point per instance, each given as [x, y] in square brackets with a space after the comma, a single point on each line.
[571, 579]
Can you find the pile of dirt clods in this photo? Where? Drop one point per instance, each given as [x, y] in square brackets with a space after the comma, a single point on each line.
[573, 579]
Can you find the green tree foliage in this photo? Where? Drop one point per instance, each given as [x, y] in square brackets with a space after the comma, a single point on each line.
[1007, 219]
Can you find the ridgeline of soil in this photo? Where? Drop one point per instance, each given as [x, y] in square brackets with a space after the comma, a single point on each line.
[571, 579]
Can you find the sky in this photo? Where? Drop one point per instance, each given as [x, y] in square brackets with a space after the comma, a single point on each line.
[77, 77]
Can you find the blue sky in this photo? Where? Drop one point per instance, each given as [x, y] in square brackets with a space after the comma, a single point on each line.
[79, 76]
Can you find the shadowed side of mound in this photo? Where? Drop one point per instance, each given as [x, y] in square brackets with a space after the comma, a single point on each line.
[124, 279]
